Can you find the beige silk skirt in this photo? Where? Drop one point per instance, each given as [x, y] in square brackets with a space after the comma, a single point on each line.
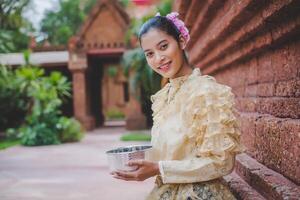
[209, 190]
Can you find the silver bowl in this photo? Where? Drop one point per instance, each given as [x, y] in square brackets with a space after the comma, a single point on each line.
[118, 158]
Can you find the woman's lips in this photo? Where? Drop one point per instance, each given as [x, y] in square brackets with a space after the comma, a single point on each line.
[165, 67]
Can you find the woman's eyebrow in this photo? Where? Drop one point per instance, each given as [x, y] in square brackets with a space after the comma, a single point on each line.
[157, 44]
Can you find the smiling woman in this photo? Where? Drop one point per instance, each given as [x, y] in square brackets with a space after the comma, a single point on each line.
[195, 134]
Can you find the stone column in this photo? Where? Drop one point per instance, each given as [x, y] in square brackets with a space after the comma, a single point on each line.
[78, 67]
[135, 119]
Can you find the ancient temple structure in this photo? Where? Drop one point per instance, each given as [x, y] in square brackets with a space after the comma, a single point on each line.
[254, 47]
[98, 46]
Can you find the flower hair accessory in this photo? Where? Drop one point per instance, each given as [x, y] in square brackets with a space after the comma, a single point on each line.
[173, 17]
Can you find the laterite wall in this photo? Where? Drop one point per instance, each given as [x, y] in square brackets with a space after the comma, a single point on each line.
[254, 47]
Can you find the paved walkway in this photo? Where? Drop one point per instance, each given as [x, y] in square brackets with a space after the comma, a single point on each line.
[73, 171]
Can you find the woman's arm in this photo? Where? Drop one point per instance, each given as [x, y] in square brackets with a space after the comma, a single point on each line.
[212, 126]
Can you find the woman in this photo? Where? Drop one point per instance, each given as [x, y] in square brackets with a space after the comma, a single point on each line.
[195, 134]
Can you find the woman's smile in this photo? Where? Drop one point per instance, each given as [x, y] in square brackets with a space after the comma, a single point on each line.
[165, 67]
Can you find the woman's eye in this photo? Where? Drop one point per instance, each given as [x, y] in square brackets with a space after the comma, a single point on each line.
[164, 46]
[148, 54]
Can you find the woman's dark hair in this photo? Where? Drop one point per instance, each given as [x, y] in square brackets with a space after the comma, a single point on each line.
[163, 24]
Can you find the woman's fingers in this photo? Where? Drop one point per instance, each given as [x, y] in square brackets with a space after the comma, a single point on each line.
[136, 162]
[124, 177]
[126, 174]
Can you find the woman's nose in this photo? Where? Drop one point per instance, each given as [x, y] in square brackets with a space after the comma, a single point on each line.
[160, 58]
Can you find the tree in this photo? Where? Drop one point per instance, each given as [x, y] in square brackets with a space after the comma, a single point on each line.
[60, 25]
[13, 27]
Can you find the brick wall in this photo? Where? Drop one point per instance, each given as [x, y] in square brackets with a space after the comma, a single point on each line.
[254, 47]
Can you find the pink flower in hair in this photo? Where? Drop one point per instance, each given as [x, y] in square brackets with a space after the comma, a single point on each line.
[173, 16]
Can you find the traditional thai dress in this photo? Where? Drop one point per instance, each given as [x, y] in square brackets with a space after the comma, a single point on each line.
[195, 137]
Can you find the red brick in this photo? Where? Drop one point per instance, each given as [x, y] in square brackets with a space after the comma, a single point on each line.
[251, 90]
[289, 88]
[248, 131]
[238, 91]
[265, 69]
[279, 107]
[267, 182]
[240, 188]
[277, 145]
[290, 140]
[252, 72]
[247, 104]
[284, 64]
[238, 75]
[265, 89]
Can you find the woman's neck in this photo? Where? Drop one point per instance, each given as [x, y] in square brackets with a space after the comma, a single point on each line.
[185, 69]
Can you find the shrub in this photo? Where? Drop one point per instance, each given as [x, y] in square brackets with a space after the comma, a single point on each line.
[69, 130]
[13, 102]
[43, 124]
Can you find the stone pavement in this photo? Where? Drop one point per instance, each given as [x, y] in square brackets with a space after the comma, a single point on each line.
[73, 171]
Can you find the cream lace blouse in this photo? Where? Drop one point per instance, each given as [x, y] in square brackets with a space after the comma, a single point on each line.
[195, 134]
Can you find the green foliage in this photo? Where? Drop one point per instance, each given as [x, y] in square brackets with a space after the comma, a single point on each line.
[143, 81]
[14, 28]
[125, 3]
[164, 7]
[143, 77]
[136, 137]
[13, 101]
[43, 123]
[112, 71]
[69, 130]
[60, 25]
[114, 113]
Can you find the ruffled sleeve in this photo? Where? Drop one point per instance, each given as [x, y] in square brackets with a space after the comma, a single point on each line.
[210, 123]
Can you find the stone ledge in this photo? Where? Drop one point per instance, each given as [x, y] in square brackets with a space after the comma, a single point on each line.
[240, 188]
[267, 182]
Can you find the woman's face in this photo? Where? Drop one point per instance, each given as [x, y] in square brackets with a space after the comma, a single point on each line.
[163, 53]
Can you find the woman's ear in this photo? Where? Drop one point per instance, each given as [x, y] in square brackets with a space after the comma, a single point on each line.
[182, 42]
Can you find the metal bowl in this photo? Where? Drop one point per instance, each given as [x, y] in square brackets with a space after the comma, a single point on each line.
[118, 158]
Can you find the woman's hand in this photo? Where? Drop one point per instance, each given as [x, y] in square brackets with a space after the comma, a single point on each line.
[146, 169]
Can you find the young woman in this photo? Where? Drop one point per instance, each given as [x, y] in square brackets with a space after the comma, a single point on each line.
[195, 134]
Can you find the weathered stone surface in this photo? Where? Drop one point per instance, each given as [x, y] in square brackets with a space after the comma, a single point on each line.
[270, 184]
[277, 145]
[289, 88]
[259, 58]
[280, 107]
[247, 104]
[240, 188]
[248, 137]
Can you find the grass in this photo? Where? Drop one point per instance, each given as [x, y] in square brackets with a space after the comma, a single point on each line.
[114, 114]
[136, 137]
[8, 143]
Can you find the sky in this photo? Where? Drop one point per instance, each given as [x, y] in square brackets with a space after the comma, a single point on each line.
[37, 10]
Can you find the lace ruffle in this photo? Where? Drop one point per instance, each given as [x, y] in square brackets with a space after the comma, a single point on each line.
[209, 118]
